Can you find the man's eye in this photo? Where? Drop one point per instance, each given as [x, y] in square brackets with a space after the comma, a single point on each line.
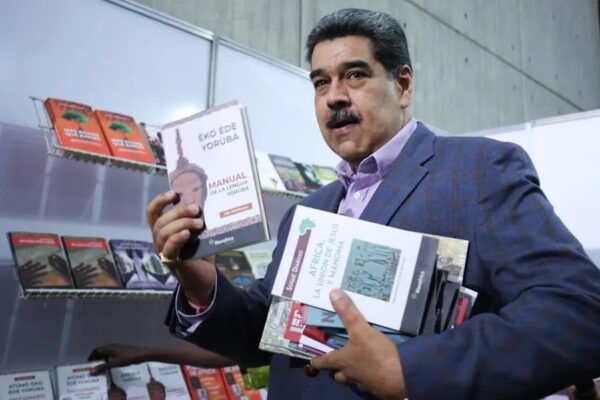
[356, 75]
[319, 82]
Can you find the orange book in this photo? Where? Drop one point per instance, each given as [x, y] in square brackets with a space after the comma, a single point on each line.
[204, 383]
[76, 126]
[124, 137]
[234, 382]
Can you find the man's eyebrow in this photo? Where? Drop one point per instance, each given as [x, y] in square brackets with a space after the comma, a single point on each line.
[316, 72]
[356, 64]
[344, 67]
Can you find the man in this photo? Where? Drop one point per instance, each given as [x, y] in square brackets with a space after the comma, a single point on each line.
[538, 308]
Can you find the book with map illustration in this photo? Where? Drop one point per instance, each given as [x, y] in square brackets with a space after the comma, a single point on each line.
[387, 272]
[211, 164]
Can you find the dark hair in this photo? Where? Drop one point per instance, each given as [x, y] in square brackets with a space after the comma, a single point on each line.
[390, 47]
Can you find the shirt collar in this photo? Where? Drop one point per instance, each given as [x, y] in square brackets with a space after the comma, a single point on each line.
[376, 166]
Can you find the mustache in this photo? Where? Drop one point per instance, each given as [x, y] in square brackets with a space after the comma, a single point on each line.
[342, 116]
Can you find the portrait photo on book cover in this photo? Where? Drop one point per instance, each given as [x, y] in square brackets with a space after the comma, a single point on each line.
[190, 181]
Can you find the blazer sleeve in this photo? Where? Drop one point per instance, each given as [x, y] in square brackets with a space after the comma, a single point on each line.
[544, 335]
[234, 325]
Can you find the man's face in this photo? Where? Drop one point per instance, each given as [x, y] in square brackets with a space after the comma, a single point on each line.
[190, 188]
[359, 108]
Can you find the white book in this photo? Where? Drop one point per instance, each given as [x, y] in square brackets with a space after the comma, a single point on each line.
[33, 385]
[210, 163]
[314, 344]
[386, 271]
[269, 178]
[75, 383]
[167, 377]
[132, 380]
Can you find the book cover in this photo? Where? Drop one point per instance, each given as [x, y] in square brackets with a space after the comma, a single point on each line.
[74, 382]
[166, 381]
[310, 177]
[234, 266]
[34, 385]
[204, 383]
[154, 140]
[123, 136]
[210, 162]
[269, 178]
[272, 338]
[259, 261]
[128, 382]
[91, 262]
[463, 306]
[289, 173]
[76, 126]
[325, 174]
[234, 383]
[386, 271]
[39, 261]
[139, 267]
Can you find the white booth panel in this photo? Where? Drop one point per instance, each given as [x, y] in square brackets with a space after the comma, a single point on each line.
[280, 105]
[566, 156]
[99, 54]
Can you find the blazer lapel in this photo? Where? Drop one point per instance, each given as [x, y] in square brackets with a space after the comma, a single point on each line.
[405, 174]
[329, 197]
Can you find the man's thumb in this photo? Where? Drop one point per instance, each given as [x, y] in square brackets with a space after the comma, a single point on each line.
[350, 315]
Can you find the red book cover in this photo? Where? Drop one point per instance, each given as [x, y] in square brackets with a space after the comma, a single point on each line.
[204, 383]
[92, 263]
[124, 138]
[296, 322]
[76, 126]
[234, 383]
[315, 333]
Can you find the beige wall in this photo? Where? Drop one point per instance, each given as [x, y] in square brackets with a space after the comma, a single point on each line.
[478, 63]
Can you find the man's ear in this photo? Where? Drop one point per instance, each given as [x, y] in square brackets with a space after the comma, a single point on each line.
[404, 85]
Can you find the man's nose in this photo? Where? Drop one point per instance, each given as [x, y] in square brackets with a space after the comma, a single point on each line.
[337, 95]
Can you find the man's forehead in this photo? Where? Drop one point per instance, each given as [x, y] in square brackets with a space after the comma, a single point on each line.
[334, 53]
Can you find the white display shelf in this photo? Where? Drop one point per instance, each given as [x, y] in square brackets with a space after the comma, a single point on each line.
[94, 294]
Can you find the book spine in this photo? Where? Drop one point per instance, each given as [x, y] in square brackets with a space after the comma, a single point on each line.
[420, 287]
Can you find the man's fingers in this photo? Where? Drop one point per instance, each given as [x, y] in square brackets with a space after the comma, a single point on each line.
[175, 227]
[340, 377]
[331, 360]
[173, 245]
[344, 306]
[100, 368]
[157, 205]
[191, 212]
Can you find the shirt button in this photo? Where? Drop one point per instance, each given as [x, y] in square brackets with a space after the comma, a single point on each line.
[356, 195]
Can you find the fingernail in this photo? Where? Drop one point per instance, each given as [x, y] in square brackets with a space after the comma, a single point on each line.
[335, 295]
[185, 234]
[199, 223]
[170, 193]
[194, 209]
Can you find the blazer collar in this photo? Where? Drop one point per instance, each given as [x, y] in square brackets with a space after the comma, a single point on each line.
[405, 174]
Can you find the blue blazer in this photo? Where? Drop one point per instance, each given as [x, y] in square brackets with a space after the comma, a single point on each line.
[537, 323]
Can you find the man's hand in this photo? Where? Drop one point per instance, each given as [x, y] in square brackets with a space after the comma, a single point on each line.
[369, 359]
[116, 355]
[171, 230]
